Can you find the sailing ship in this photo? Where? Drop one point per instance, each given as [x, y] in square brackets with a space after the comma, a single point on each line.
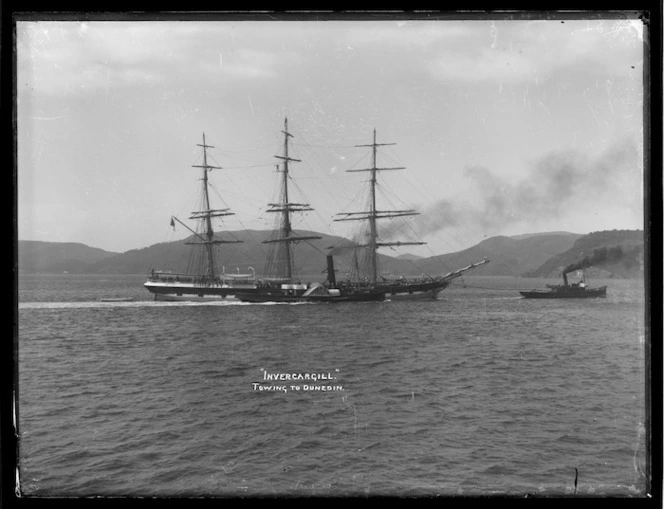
[202, 281]
[364, 274]
[578, 290]
[279, 283]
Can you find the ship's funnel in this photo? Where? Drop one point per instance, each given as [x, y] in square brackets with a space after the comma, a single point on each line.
[330, 272]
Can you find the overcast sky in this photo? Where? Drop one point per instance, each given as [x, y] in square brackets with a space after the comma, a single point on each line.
[504, 127]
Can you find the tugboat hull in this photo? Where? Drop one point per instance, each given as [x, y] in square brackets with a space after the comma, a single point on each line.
[576, 293]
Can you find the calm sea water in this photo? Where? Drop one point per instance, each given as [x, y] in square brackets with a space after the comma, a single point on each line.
[480, 392]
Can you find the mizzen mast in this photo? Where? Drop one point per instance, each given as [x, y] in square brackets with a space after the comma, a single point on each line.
[373, 214]
[286, 236]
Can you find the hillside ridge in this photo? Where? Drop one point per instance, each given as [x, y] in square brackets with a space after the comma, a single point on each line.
[529, 255]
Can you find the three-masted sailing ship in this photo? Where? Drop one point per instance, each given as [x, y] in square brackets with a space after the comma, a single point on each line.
[202, 280]
[364, 273]
[280, 282]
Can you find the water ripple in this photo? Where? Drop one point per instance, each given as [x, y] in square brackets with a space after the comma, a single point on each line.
[468, 395]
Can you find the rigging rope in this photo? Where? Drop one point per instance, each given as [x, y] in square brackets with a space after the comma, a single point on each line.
[320, 146]
[320, 167]
[463, 236]
[248, 166]
[489, 287]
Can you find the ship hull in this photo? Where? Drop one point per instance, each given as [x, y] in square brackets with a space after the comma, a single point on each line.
[164, 291]
[358, 297]
[590, 293]
[166, 297]
[418, 296]
[408, 291]
[276, 296]
[261, 297]
[418, 291]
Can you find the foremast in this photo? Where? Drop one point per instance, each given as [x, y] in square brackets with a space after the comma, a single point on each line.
[205, 237]
[281, 264]
[373, 214]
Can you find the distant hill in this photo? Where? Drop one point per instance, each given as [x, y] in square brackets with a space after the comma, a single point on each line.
[57, 257]
[310, 256]
[614, 253]
[251, 252]
[529, 235]
[409, 256]
[530, 255]
[509, 256]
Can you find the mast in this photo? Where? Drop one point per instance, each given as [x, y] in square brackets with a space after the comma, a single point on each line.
[286, 208]
[206, 215]
[373, 234]
[373, 214]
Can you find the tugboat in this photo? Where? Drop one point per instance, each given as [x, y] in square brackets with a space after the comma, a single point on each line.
[578, 290]
[280, 283]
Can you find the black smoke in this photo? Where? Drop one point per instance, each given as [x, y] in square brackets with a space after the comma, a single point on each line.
[600, 256]
[557, 184]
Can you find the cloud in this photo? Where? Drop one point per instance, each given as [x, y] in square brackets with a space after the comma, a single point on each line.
[67, 57]
[490, 65]
[64, 57]
[248, 63]
[404, 33]
[533, 51]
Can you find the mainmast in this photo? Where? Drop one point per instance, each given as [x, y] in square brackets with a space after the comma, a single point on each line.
[206, 215]
[373, 213]
[286, 208]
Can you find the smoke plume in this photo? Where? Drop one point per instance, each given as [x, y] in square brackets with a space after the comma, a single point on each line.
[558, 185]
[600, 255]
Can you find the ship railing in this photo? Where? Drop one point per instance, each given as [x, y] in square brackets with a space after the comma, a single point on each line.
[238, 278]
[170, 277]
[201, 279]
